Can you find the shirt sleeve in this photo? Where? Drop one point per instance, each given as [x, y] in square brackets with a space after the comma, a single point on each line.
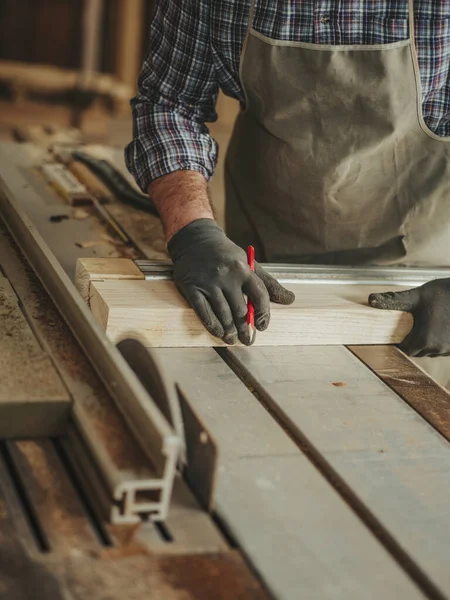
[177, 93]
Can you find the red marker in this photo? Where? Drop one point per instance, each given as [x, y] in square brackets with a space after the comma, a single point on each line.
[250, 307]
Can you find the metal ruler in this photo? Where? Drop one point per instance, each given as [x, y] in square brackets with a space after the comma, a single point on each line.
[322, 274]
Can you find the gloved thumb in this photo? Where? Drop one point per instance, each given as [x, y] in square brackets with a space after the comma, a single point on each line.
[277, 293]
[406, 301]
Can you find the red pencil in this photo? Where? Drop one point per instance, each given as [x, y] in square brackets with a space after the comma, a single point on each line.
[250, 307]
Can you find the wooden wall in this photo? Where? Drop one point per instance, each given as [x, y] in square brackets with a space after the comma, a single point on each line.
[41, 31]
[50, 32]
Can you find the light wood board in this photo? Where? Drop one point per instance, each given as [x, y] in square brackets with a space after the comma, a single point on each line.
[154, 312]
[390, 457]
[301, 537]
[93, 269]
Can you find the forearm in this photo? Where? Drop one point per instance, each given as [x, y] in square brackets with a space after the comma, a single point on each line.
[180, 198]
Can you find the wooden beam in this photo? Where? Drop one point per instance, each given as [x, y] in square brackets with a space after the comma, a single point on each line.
[92, 33]
[322, 314]
[154, 312]
[99, 269]
[47, 79]
[129, 38]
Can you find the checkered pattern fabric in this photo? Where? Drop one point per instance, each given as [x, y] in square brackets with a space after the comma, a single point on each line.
[196, 46]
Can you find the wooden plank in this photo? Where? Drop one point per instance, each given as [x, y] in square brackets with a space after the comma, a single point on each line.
[410, 382]
[322, 314]
[95, 186]
[129, 39]
[48, 79]
[33, 400]
[390, 458]
[293, 526]
[97, 269]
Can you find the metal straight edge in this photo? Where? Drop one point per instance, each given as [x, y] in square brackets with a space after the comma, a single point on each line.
[403, 276]
[153, 433]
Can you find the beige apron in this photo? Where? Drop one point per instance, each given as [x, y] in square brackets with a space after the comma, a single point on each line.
[331, 162]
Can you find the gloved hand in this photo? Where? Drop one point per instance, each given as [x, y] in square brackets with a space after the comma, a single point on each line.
[430, 306]
[212, 274]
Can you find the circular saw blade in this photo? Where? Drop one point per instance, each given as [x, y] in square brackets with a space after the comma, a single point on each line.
[150, 372]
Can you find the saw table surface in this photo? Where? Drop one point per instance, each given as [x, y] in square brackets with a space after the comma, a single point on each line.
[332, 479]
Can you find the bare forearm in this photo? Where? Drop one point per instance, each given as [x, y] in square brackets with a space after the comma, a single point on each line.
[180, 198]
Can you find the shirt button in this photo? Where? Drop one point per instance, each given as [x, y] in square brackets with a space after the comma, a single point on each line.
[325, 19]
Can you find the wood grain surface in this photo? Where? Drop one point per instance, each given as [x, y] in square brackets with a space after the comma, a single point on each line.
[322, 314]
[299, 534]
[93, 269]
[409, 381]
[390, 458]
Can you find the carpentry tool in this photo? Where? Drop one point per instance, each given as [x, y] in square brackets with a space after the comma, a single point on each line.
[289, 273]
[76, 193]
[82, 172]
[116, 182]
[96, 187]
[66, 184]
[250, 307]
[150, 373]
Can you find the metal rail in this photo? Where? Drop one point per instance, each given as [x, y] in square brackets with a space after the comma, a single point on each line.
[152, 431]
[403, 276]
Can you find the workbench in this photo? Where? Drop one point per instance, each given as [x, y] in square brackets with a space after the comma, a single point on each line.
[328, 466]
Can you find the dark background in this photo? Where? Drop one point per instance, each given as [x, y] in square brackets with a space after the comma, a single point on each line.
[50, 31]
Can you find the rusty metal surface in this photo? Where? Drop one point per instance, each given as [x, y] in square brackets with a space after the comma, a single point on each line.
[76, 565]
[412, 384]
[135, 577]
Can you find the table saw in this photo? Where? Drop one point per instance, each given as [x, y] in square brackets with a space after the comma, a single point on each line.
[293, 473]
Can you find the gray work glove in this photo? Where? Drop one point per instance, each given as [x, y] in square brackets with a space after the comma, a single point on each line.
[212, 274]
[430, 306]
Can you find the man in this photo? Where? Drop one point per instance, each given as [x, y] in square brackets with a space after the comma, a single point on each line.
[340, 154]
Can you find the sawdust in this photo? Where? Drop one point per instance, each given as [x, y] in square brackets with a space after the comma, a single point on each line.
[126, 542]
[222, 577]
[79, 214]
[189, 577]
[26, 370]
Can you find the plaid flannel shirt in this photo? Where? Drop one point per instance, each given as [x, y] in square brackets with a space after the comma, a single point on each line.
[195, 50]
